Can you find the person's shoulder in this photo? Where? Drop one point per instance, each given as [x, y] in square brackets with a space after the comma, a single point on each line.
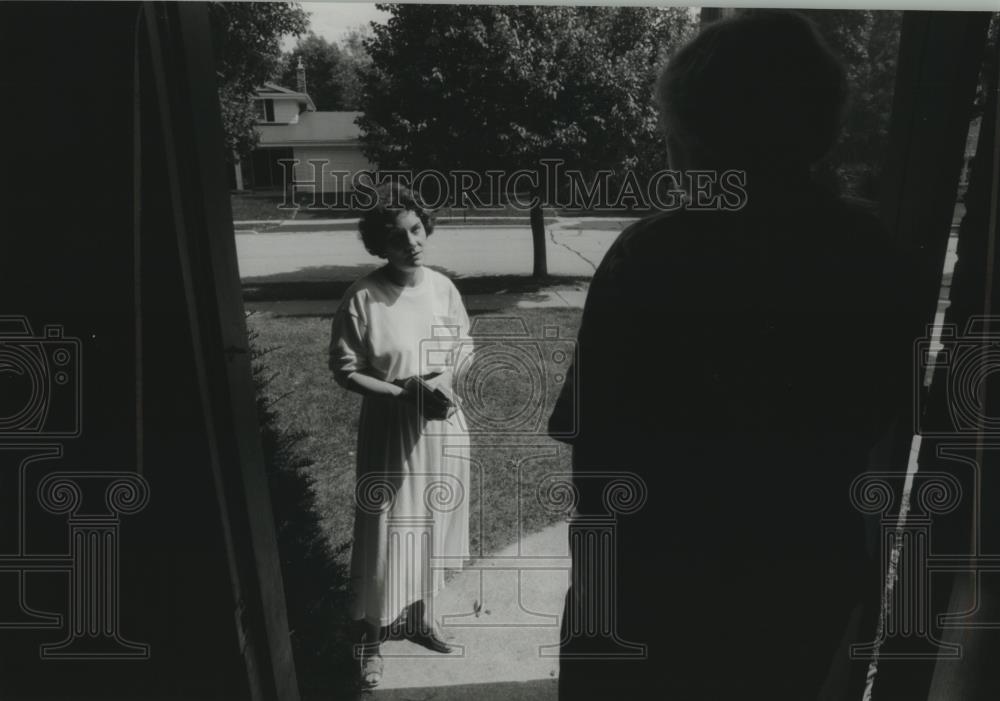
[365, 285]
[641, 230]
[655, 234]
[362, 290]
[653, 225]
[440, 282]
[437, 277]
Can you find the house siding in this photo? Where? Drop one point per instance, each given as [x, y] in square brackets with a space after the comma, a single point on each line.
[347, 158]
[285, 110]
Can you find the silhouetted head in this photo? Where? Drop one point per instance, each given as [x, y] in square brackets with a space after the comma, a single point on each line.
[760, 88]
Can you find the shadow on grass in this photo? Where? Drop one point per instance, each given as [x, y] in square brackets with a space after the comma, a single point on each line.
[316, 584]
[330, 282]
[337, 277]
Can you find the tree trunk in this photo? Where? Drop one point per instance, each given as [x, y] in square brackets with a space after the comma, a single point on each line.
[537, 216]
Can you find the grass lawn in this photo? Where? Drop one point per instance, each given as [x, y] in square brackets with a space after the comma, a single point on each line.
[265, 207]
[255, 208]
[306, 399]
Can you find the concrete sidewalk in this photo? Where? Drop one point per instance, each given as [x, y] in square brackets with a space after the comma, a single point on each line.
[509, 649]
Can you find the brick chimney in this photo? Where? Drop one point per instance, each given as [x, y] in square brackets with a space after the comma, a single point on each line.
[300, 77]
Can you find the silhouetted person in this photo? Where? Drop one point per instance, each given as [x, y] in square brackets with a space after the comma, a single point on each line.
[742, 363]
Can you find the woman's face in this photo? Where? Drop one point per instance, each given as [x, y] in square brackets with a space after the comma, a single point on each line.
[404, 243]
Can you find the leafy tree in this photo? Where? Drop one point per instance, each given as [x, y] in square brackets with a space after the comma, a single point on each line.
[247, 40]
[323, 62]
[333, 71]
[356, 62]
[502, 87]
[867, 41]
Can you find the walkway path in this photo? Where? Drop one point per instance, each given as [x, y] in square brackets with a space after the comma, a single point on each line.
[510, 649]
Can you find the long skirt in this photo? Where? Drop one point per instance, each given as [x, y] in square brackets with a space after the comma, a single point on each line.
[412, 507]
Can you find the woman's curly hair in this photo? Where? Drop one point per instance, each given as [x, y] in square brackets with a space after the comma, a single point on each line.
[392, 199]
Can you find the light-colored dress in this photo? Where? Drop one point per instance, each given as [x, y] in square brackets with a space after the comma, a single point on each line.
[412, 495]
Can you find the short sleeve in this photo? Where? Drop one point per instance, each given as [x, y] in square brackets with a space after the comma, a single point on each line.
[347, 339]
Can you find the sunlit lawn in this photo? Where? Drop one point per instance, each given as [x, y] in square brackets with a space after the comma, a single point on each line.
[307, 400]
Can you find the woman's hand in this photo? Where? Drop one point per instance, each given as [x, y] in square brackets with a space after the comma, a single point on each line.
[434, 404]
[409, 389]
[437, 407]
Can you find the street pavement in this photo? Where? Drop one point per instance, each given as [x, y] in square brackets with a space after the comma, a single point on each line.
[574, 249]
[300, 268]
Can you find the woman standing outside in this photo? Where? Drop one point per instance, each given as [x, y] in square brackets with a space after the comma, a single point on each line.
[413, 455]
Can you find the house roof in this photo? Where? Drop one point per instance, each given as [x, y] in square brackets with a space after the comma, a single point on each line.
[273, 91]
[313, 128]
[274, 87]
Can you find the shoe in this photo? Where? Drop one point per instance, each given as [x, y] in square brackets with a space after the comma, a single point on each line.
[428, 637]
[371, 669]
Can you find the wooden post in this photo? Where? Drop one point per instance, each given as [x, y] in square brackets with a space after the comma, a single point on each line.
[188, 106]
